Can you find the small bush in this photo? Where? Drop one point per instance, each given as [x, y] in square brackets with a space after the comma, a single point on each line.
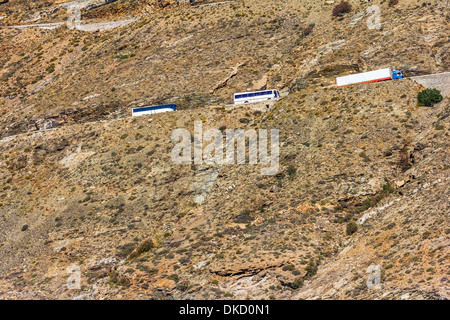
[289, 267]
[51, 68]
[352, 227]
[429, 97]
[296, 284]
[124, 56]
[291, 171]
[145, 246]
[342, 8]
[183, 286]
[311, 269]
[243, 217]
[387, 188]
[308, 30]
[405, 164]
[393, 2]
[116, 278]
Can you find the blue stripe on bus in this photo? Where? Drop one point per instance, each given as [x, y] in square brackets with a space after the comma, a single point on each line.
[254, 94]
[171, 106]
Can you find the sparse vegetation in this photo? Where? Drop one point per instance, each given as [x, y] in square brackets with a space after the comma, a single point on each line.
[429, 97]
[291, 171]
[145, 246]
[361, 178]
[393, 2]
[351, 228]
[341, 9]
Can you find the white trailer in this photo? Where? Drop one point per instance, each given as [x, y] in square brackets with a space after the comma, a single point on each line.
[371, 76]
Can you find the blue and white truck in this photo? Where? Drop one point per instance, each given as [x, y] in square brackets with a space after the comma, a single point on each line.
[371, 76]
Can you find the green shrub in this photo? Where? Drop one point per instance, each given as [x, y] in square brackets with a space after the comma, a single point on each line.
[388, 188]
[145, 246]
[311, 269]
[429, 97]
[124, 56]
[243, 217]
[352, 227]
[51, 68]
[291, 171]
[183, 286]
[116, 278]
[296, 284]
[289, 267]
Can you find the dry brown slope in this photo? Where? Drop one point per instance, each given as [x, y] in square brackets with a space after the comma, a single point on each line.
[97, 191]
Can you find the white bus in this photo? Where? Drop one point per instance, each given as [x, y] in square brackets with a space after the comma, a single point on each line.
[153, 109]
[257, 96]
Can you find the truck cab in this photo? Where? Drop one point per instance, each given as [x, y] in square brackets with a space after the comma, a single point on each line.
[396, 74]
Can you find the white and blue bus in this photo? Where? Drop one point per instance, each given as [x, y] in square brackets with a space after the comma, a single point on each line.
[153, 109]
[257, 96]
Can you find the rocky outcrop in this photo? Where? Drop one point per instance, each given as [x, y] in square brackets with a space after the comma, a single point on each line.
[440, 81]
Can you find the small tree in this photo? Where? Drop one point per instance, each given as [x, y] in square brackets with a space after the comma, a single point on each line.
[429, 97]
[342, 8]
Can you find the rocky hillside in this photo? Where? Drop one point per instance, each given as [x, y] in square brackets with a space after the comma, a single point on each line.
[363, 177]
[199, 55]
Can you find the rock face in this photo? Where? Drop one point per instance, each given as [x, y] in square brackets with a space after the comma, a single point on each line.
[440, 81]
[357, 210]
[203, 184]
